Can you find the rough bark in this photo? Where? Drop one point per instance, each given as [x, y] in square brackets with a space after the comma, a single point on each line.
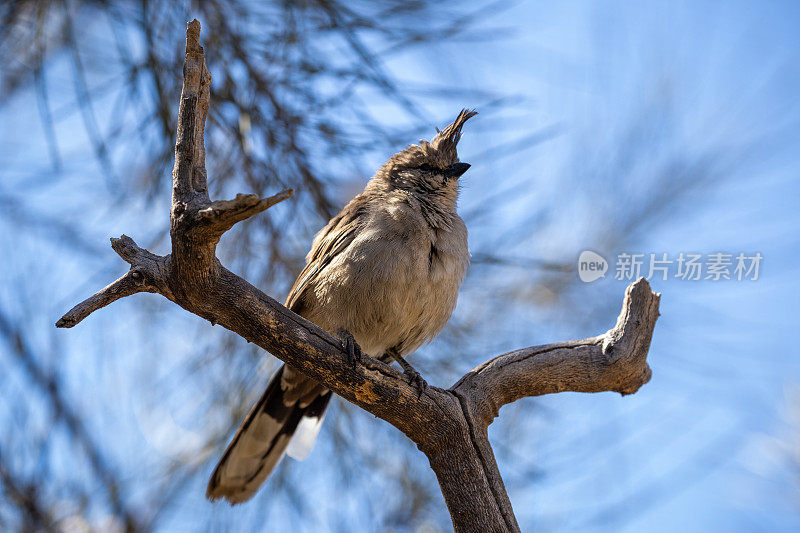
[449, 426]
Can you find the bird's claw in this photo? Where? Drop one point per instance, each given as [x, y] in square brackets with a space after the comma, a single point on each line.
[350, 346]
[416, 379]
[413, 376]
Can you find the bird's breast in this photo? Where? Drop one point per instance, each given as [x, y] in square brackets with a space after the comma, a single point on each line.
[394, 286]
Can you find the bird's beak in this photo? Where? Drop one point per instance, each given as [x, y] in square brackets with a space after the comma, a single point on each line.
[456, 169]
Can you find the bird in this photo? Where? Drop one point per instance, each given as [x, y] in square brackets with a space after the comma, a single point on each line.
[383, 275]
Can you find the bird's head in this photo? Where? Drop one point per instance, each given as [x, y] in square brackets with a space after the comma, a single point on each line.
[429, 169]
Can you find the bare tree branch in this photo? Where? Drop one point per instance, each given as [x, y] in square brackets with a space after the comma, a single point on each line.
[142, 277]
[449, 426]
[225, 213]
[131, 283]
[615, 361]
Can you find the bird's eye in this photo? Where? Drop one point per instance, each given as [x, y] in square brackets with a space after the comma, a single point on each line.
[426, 167]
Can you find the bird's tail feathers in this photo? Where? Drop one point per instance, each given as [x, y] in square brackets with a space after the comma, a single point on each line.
[262, 439]
[305, 435]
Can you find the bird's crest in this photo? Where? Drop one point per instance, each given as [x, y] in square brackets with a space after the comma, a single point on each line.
[440, 151]
[446, 140]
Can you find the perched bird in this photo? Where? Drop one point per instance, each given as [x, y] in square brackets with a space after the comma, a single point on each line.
[383, 275]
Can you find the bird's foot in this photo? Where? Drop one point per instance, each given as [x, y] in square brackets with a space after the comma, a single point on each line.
[413, 376]
[350, 346]
[416, 379]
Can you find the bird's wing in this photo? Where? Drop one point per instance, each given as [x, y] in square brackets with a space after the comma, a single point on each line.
[334, 238]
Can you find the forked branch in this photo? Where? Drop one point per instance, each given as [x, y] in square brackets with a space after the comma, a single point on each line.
[449, 426]
[615, 361]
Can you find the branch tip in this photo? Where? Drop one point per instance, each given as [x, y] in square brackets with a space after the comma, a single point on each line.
[65, 322]
[132, 282]
[127, 248]
[283, 195]
[193, 36]
[223, 214]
